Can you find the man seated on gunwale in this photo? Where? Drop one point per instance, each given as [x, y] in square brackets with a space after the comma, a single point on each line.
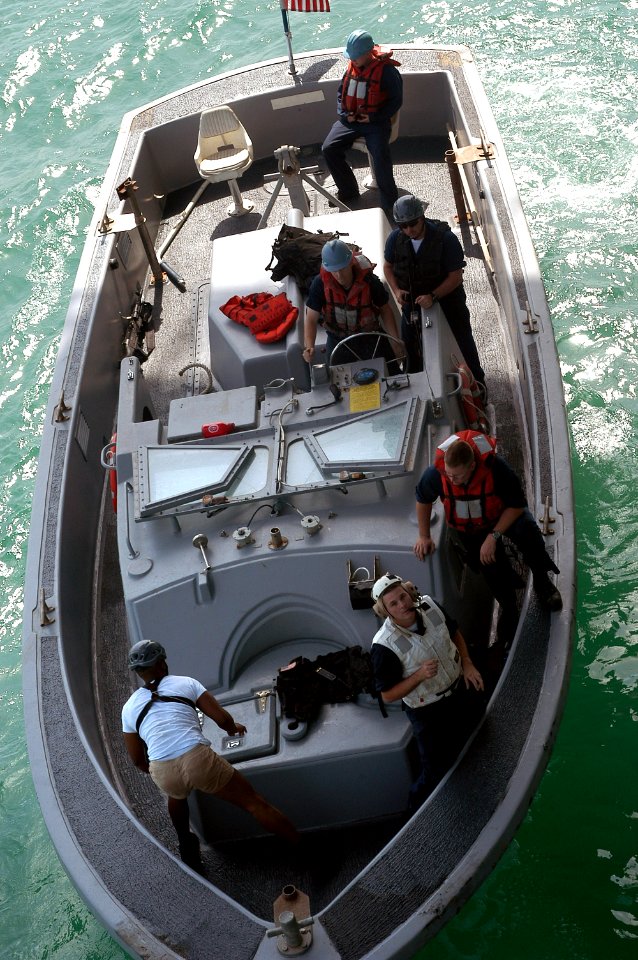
[483, 501]
[369, 95]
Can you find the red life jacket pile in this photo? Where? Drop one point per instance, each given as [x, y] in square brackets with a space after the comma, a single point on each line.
[268, 316]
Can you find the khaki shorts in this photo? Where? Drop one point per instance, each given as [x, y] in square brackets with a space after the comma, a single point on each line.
[197, 769]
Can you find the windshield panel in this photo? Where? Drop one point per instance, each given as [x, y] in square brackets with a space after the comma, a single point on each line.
[170, 475]
[378, 439]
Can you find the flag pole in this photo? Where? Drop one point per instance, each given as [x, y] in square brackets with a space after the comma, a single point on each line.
[284, 16]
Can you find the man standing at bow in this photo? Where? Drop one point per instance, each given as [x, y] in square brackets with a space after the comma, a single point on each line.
[419, 656]
[370, 94]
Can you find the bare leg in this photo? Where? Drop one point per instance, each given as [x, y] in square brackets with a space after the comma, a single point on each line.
[240, 792]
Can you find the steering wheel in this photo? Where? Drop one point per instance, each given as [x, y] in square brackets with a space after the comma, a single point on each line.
[350, 349]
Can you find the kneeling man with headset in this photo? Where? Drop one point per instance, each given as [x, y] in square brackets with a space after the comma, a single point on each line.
[419, 656]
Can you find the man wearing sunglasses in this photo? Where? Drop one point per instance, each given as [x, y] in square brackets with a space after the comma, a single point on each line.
[424, 264]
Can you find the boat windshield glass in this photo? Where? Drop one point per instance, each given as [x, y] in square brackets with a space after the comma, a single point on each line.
[377, 438]
[301, 468]
[170, 475]
[184, 477]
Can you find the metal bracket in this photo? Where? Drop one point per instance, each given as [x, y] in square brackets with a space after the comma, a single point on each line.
[120, 223]
[481, 150]
[293, 936]
[360, 583]
[60, 410]
[261, 698]
[546, 520]
[45, 610]
[530, 322]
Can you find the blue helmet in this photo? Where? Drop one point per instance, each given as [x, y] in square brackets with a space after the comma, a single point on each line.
[336, 255]
[358, 43]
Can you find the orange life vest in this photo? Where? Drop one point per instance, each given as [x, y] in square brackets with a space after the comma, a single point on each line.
[269, 317]
[361, 88]
[350, 311]
[474, 507]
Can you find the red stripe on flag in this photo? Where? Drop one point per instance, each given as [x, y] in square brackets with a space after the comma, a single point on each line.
[308, 6]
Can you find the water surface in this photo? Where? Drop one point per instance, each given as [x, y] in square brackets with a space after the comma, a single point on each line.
[562, 78]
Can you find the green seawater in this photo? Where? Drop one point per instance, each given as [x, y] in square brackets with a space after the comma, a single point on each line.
[562, 78]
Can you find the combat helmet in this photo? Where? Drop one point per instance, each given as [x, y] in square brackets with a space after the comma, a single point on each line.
[145, 653]
[407, 208]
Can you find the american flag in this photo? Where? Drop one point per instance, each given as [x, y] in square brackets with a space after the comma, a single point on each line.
[307, 6]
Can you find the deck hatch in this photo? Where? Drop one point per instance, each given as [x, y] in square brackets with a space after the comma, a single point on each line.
[257, 711]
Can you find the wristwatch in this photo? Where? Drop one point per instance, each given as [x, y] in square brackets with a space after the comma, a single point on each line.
[496, 534]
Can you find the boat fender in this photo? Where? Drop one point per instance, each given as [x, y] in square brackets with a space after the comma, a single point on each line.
[294, 729]
[218, 429]
[107, 459]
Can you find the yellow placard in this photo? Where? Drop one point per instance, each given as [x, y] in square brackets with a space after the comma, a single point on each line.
[364, 398]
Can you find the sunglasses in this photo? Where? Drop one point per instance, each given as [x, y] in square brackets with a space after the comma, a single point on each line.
[410, 223]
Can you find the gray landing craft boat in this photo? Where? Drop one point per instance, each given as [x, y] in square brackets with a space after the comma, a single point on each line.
[241, 552]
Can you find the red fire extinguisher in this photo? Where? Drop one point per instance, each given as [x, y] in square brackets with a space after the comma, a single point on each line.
[218, 429]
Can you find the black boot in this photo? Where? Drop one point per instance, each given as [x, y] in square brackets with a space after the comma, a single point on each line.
[547, 592]
[190, 854]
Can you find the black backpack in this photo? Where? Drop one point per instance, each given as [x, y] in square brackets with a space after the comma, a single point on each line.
[304, 685]
[297, 253]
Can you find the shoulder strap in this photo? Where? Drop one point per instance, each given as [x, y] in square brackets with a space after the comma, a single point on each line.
[154, 698]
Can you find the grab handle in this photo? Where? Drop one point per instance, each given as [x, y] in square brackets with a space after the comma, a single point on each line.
[457, 376]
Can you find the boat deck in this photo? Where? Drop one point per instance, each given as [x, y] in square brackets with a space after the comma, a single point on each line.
[323, 868]
[182, 329]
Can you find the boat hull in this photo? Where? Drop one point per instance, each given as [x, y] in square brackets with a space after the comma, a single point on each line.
[71, 591]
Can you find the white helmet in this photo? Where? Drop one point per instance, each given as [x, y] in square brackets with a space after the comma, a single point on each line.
[384, 583]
